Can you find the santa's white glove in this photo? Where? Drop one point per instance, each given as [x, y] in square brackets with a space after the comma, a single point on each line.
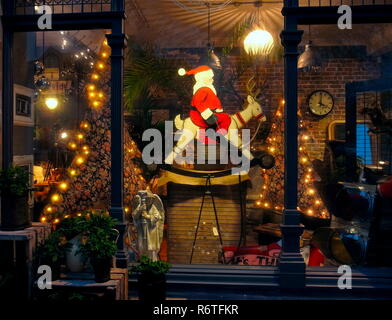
[206, 113]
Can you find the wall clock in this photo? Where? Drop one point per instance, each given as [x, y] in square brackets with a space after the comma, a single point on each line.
[320, 102]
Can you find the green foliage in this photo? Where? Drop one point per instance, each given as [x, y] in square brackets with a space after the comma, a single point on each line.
[73, 226]
[98, 245]
[53, 249]
[150, 74]
[101, 221]
[15, 181]
[147, 72]
[99, 237]
[147, 266]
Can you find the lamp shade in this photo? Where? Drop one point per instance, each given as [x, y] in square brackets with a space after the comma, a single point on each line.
[214, 61]
[211, 59]
[310, 59]
[259, 42]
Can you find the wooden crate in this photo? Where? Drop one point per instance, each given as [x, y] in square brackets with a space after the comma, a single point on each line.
[122, 276]
[17, 249]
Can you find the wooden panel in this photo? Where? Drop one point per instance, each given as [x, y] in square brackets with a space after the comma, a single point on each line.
[183, 209]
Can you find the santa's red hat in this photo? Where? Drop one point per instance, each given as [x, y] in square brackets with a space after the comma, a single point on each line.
[183, 72]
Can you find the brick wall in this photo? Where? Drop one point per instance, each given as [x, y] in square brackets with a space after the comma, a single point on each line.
[335, 74]
[341, 65]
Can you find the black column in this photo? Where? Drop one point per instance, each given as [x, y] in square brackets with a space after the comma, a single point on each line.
[351, 131]
[117, 42]
[8, 99]
[292, 266]
[7, 114]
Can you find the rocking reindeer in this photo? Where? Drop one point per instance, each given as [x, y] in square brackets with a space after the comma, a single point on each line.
[191, 126]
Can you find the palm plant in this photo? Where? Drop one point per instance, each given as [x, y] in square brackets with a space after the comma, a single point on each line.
[150, 75]
[148, 72]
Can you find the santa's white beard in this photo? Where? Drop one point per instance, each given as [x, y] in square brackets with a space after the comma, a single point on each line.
[201, 84]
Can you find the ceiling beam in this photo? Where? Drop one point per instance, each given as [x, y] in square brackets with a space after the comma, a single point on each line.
[329, 14]
[64, 21]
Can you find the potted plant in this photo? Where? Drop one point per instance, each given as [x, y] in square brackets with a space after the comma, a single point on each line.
[99, 245]
[151, 277]
[52, 251]
[72, 228]
[15, 188]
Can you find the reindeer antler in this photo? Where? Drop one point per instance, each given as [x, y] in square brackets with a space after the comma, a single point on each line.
[250, 87]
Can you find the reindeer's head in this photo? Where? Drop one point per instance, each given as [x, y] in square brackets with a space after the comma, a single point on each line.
[254, 106]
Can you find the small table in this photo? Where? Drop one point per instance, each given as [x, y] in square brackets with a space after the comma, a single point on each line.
[273, 229]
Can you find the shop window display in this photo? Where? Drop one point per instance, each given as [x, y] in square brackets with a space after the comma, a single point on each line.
[207, 213]
[227, 228]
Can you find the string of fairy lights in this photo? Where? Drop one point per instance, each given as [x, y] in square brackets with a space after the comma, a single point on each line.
[76, 141]
[309, 201]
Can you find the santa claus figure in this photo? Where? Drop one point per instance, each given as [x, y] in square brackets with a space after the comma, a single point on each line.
[206, 109]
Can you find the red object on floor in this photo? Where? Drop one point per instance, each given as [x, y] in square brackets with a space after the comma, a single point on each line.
[316, 258]
[252, 255]
[385, 189]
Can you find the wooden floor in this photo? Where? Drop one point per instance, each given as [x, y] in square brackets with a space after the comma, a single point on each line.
[183, 209]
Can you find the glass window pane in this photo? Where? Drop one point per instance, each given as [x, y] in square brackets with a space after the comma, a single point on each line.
[345, 107]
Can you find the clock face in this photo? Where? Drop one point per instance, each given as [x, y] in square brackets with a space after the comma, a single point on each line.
[320, 102]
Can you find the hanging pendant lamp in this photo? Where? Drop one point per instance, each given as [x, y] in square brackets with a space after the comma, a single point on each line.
[211, 59]
[259, 42]
[310, 59]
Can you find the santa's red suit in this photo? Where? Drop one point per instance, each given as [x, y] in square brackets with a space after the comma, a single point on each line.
[205, 103]
[206, 109]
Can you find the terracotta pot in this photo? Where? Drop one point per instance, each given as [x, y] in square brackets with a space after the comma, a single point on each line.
[101, 268]
[16, 212]
[152, 287]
